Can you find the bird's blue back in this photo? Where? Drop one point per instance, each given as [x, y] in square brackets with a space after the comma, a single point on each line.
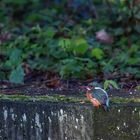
[101, 96]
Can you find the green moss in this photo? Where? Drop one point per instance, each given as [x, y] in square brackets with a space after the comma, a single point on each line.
[138, 87]
[62, 98]
[55, 98]
[125, 100]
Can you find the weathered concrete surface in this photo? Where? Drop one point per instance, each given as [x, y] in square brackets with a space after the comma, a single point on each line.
[45, 121]
[61, 121]
[121, 123]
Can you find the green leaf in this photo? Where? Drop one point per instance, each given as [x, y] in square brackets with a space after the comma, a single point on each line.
[71, 67]
[108, 66]
[17, 75]
[137, 28]
[133, 60]
[33, 17]
[2, 75]
[123, 57]
[15, 57]
[132, 70]
[137, 87]
[98, 53]
[134, 48]
[107, 83]
[18, 2]
[64, 43]
[50, 32]
[80, 45]
[80, 41]
[137, 16]
[119, 31]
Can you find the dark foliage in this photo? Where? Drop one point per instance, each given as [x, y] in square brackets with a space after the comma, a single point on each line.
[61, 37]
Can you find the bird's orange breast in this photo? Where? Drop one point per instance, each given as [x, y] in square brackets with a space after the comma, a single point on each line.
[94, 101]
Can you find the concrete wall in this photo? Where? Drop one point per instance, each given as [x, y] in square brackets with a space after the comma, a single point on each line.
[61, 121]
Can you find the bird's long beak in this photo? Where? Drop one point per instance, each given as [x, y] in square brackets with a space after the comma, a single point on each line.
[85, 88]
[88, 88]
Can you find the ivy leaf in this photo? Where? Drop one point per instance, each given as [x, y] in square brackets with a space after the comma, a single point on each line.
[50, 32]
[137, 28]
[133, 60]
[108, 66]
[2, 75]
[137, 88]
[119, 31]
[17, 75]
[18, 2]
[33, 17]
[137, 16]
[97, 53]
[15, 57]
[64, 43]
[80, 46]
[134, 71]
[107, 83]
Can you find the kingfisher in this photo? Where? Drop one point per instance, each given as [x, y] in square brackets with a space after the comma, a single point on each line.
[97, 96]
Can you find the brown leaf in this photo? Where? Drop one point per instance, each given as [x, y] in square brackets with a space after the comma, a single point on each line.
[104, 37]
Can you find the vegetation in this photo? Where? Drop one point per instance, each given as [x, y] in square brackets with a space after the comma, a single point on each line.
[61, 37]
[62, 98]
[54, 98]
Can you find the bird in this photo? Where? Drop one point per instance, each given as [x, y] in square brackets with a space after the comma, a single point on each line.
[97, 96]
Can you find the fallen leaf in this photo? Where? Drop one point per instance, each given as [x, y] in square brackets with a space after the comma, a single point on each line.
[104, 37]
